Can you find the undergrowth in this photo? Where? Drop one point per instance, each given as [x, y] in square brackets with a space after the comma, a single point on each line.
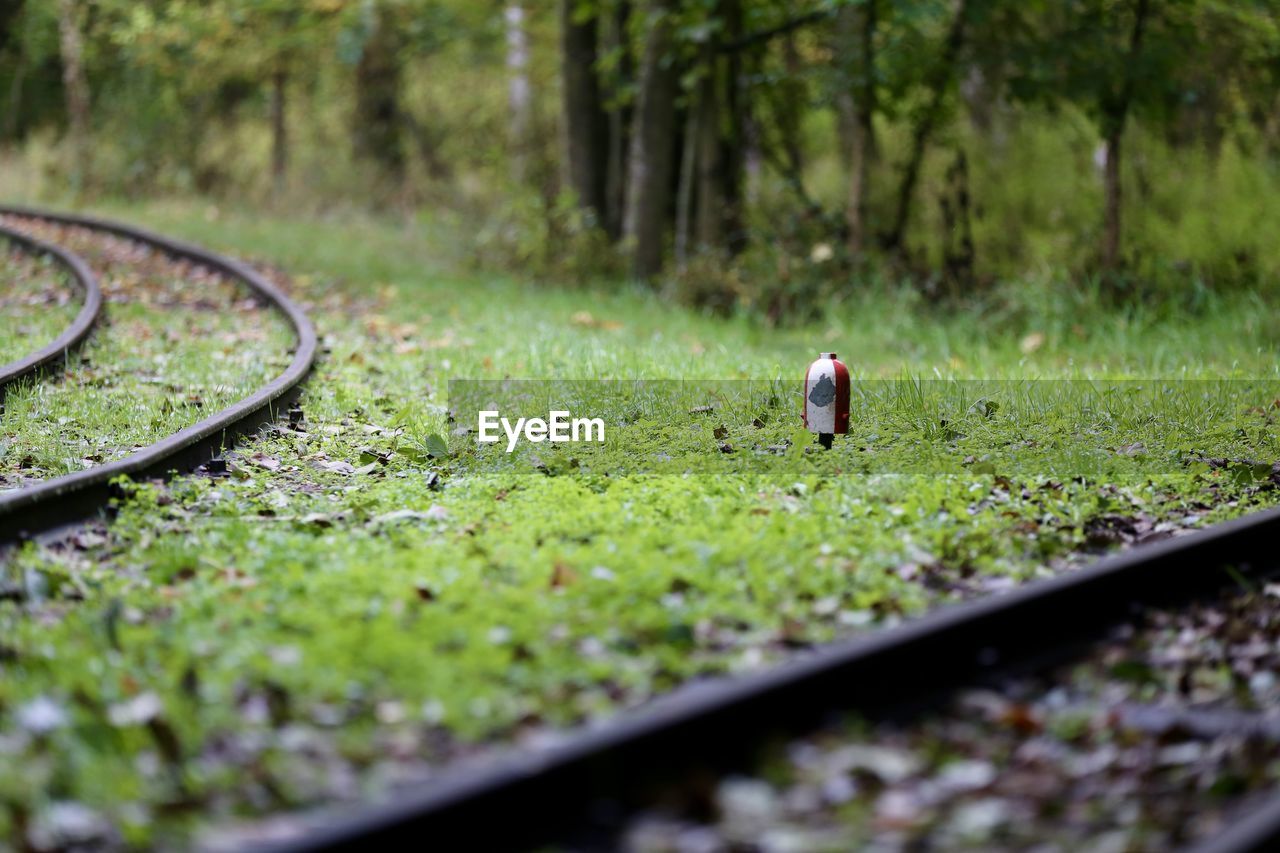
[350, 607]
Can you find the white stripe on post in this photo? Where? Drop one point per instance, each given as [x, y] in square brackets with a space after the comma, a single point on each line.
[820, 396]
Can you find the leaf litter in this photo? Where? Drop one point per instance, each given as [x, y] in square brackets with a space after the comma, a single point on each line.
[1166, 733]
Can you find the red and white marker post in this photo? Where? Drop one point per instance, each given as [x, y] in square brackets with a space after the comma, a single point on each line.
[826, 398]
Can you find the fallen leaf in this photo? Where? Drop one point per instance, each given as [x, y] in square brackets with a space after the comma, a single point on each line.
[262, 460]
[562, 576]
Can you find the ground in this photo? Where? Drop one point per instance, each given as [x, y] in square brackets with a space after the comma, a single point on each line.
[348, 607]
[1159, 738]
[37, 302]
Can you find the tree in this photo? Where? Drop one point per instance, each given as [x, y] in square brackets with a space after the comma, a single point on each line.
[519, 93]
[650, 167]
[377, 123]
[716, 132]
[1114, 105]
[76, 87]
[220, 52]
[10, 47]
[939, 84]
[585, 135]
[617, 83]
[279, 126]
[1113, 58]
[856, 26]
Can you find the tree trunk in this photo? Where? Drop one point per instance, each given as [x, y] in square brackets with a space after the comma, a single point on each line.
[958, 256]
[1116, 113]
[585, 125]
[428, 143]
[519, 92]
[790, 108]
[1112, 203]
[10, 12]
[377, 130]
[720, 129]
[857, 26]
[650, 167]
[76, 86]
[279, 129]
[735, 144]
[941, 79]
[12, 119]
[846, 116]
[618, 122]
[685, 185]
[710, 162]
[859, 177]
[1271, 128]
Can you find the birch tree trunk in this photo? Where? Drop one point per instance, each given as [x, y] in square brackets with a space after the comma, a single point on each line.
[76, 86]
[1113, 199]
[518, 90]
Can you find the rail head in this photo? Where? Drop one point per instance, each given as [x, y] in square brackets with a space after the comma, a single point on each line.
[77, 332]
[944, 648]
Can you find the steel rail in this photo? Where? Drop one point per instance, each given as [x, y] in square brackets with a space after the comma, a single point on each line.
[539, 796]
[76, 332]
[72, 498]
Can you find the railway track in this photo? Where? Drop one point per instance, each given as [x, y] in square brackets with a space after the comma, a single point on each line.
[594, 777]
[56, 352]
[586, 782]
[61, 501]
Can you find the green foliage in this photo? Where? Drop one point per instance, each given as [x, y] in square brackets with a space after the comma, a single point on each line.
[555, 241]
[183, 103]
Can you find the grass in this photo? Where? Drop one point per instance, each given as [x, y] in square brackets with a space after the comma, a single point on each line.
[36, 300]
[349, 608]
[164, 357]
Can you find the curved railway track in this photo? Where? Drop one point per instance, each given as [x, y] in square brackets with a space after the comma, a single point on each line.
[65, 500]
[76, 332]
[539, 796]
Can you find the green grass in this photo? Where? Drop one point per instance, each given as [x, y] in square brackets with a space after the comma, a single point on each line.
[1027, 330]
[36, 302]
[344, 610]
